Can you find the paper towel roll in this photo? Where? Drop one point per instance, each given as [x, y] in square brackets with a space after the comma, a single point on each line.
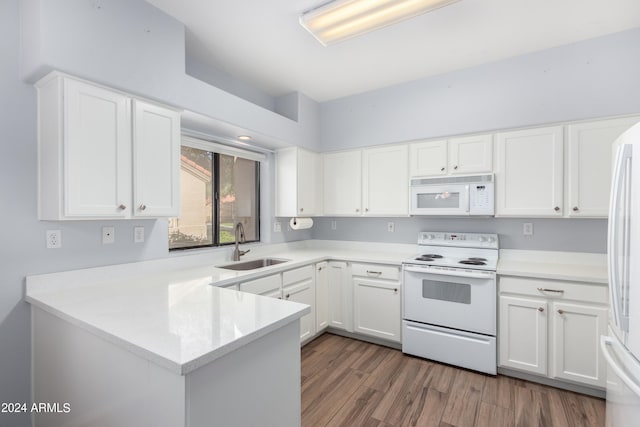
[300, 223]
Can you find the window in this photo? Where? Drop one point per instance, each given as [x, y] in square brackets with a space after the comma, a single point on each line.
[217, 190]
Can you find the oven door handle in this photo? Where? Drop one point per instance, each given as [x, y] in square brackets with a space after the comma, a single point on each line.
[473, 275]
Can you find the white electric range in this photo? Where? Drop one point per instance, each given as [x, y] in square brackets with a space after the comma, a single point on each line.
[449, 310]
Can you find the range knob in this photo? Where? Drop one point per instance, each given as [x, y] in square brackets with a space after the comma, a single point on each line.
[481, 239]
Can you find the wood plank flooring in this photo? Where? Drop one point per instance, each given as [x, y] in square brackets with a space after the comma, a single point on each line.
[346, 382]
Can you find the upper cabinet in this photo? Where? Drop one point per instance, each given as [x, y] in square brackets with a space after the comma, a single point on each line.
[102, 155]
[529, 172]
[589, 159]
[385, 182]
[298, 183]
[459, 155]
[369, 182]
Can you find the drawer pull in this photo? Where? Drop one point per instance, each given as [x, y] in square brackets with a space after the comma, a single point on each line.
[560, 311]
[558, 291]
[377, 273]
[540, 309]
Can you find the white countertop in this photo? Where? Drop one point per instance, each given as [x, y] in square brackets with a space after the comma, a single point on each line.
[571, 266]
[166, 311]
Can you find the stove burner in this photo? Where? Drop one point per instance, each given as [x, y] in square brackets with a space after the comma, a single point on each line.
[471, 261]
[476, 259]
[432, 256]
[428, 257]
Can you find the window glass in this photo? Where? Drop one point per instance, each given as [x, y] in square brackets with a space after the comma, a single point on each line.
[216, 192]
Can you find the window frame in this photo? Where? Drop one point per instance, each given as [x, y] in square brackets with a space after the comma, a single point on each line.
[217, 150]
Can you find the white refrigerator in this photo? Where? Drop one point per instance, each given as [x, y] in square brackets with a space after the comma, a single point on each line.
[621, 348]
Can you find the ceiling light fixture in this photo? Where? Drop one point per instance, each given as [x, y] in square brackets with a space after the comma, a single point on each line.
[342, 19]
[244, 138]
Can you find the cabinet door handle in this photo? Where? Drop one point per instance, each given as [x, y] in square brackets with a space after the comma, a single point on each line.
[575, 209]
[560, 311]
[456, 167]
[557, 208]
[143, 207]
[301, 209]
[540, 309]
[357, 210]
[377, 273]
[122, 207]
[558, 291]
[287, 296]
[395, 290]
[441, 169]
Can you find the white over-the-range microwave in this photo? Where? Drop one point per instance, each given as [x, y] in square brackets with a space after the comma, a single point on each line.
[453, 195]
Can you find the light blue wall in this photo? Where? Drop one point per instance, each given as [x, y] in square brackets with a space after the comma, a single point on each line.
[594, 78]
[583, 235]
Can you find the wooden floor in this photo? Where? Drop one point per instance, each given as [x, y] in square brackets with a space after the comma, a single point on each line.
[347, 382]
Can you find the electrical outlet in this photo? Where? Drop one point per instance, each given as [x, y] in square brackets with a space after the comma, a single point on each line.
[138, 234]
[277, 227]
[108, 235]
[391, 227]
[54, 239]
[527, 229]
[333, 225]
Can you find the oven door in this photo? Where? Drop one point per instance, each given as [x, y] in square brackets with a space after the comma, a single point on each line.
[452, 199]
[460, 299]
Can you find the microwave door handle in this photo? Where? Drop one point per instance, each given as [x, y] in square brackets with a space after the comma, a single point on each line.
[466, 189]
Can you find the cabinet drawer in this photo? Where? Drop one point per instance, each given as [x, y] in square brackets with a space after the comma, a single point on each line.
[263, 285]
[297, 275]
[376, 271]
[554, 289]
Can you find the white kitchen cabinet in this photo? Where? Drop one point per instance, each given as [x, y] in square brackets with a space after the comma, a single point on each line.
[588, 166]
[340, 296]
[298, 190]
[458, 155]
[377, 301]
[385, 181]
[523, 334]
[342, 172]
[299, 286]
[156, 160]
[428, 158]
[322, 296]
[576, 336]
[270, 286]
[100, 157]
[552, 328]
[529, 173]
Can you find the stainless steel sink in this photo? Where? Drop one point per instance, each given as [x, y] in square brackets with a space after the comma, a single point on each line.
[253, 264]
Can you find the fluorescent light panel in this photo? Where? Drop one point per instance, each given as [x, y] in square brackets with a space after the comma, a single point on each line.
[343, 19]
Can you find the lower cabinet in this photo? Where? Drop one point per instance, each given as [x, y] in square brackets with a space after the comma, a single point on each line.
[340, 296]
[377, 301]
[322, 296]
[553, 328]
[299, 286]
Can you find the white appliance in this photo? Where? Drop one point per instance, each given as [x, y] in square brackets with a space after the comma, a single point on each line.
[453, 195]
[621, 348]
[449, 295]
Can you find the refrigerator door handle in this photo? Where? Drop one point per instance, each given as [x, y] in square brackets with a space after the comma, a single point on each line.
[623, 153]
[605, 344]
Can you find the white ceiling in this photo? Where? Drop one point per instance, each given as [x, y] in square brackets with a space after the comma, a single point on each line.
[260, 42]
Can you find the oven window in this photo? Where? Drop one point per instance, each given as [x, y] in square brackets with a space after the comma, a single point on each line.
[438, 200]
[446, 291]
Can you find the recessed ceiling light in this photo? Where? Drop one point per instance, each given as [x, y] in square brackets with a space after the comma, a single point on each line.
[342, 19]
[244, 138]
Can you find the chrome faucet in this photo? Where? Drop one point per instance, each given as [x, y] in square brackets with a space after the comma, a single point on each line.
[239, 235]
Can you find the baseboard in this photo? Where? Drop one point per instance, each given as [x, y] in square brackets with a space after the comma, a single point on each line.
[583, 389]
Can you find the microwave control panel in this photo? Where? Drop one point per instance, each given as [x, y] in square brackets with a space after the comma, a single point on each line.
[481, 198]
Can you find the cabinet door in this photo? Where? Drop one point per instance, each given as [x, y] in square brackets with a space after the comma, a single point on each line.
[322, 296]
[529, 173]
[97, 152]
[304, 292]
[523, 334]
[343, 183]
[156, 160]
[428, 158]
[376, 309]
[471, 154]
[576, 343]
[385, 182]
[340, 296]
[309, 177]
[589, 152]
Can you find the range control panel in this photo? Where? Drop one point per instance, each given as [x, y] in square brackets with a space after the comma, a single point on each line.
[462, 240]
